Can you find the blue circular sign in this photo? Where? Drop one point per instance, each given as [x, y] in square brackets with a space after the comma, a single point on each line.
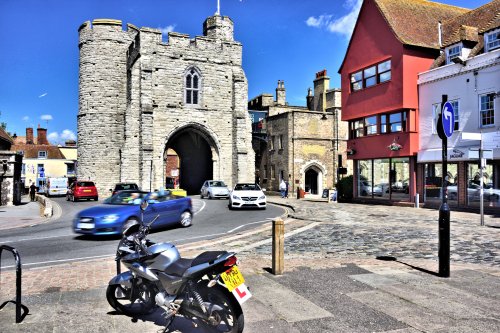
[448, 119]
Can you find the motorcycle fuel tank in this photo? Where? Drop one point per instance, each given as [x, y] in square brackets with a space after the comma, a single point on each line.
[167, 255]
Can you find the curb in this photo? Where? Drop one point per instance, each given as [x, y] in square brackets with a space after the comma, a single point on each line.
[48, 209]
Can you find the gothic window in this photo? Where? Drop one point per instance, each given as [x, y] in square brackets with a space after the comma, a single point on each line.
[192, 83]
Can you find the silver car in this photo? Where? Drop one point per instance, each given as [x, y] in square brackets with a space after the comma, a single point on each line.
[214, 189]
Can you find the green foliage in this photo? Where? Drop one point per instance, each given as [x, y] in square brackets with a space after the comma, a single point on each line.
[345, 189]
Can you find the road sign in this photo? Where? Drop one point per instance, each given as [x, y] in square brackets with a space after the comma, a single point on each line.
[448, 119]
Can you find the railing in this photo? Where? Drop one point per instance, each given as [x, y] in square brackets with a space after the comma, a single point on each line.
[17, 302]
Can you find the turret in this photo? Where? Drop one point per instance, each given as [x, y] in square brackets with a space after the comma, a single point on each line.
[219, 27]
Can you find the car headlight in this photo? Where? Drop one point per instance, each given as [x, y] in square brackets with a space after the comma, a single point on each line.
[262, 197]
[236, 197]
[110, 218]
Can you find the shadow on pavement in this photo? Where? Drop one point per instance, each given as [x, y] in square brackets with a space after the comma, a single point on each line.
[389, 258]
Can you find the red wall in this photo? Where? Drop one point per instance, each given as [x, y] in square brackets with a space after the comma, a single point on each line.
[373, 41]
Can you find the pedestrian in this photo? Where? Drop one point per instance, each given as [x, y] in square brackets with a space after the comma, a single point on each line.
[286, 189]
[32, 191]
[282, 188]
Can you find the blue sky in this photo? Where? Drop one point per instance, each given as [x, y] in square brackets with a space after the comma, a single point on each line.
[286, 40]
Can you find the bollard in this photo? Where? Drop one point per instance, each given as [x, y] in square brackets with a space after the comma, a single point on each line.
[278, 265]
[417, 200]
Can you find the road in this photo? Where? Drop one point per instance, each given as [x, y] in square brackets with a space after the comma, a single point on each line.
[55, 242]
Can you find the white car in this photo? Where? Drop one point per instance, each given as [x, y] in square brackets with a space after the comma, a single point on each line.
[247, 195]
[214, 189]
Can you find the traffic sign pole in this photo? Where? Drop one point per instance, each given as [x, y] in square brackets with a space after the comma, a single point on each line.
[445, 128]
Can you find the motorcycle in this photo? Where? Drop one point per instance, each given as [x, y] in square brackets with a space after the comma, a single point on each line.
[209, 288]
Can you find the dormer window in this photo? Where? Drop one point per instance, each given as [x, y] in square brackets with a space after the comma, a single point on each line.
[42, 154]
[192, 87]
[453, 52]
[492, 40]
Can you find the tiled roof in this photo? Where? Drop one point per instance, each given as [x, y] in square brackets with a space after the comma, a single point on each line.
[415, 22]
[476, 21]
[4, 136]
[31, 151]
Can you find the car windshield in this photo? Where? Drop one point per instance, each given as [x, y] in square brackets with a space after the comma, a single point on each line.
[217, 184]
[247, 187]
[86, 184]
[126, 198]
[121, 187]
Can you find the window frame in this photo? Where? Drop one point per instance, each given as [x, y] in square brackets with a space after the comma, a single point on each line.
[492, 110]
[496, 41]
[450, 56]
[42, 155]
[364, 78]
[190, 91]
[369, 126]
[280, 141]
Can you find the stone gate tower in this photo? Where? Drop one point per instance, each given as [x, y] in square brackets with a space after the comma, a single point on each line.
[139, 96]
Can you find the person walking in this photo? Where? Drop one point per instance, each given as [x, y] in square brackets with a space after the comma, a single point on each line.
[32, 191]
[286, 189]
[282, 188]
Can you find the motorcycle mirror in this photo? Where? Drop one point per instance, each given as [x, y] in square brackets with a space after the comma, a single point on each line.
[144, 205]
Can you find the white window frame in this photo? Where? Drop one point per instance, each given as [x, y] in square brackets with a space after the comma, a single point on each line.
[450, 55]
[190, 91]
[436, 110]
[481, 125]
[42, 154]
[456, 110]
[495, 42]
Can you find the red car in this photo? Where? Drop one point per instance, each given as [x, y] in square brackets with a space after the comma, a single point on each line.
[82, 190]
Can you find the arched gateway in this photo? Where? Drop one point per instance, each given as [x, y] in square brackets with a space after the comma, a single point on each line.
[140, 96]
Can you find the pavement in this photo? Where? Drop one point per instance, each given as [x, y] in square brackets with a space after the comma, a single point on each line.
[348, 268]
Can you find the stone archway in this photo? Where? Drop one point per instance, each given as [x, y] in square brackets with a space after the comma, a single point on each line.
[311, 181]
[198, 156]
[313, 173]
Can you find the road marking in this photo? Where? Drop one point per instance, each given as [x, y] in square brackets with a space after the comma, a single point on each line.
[36, 238]
[61, 261]
[244, 225]
[203, 207]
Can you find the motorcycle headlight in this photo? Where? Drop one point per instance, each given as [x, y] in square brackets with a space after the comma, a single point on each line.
[236, 197]
[262, 197]
[110, 218]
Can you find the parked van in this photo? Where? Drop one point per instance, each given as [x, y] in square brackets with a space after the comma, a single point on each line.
[57, 186]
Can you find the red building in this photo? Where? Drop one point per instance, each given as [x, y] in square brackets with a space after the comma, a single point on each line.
[393, 41]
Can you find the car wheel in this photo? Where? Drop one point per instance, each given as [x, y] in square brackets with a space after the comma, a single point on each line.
[96, 198]
[186, 219]
[201, 195]
[210, 196]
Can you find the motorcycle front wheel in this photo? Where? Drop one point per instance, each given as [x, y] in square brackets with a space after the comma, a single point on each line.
[228, 320]
[139, 301]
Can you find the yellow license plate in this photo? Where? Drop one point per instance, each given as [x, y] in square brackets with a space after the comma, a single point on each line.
[232, 278]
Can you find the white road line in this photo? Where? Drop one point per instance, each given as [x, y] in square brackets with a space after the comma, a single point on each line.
[36, 238]
[203, 207]
[244, 225]
[61, 261]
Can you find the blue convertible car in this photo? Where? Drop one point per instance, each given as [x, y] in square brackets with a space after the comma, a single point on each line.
[124, 207]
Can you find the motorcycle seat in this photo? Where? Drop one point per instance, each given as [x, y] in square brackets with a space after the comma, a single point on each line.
[207, 257]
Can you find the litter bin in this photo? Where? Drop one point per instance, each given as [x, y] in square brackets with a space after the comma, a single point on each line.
[300, 193]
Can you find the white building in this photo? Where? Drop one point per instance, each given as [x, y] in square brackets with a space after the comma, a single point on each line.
[468, 72]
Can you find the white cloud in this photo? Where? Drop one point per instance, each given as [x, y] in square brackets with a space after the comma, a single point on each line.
[343, 25]
[56, 138]
[26, 118]
[167, 29]
[46, 117]
[42, 95]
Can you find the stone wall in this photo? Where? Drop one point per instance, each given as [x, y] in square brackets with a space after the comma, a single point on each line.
[132, 101]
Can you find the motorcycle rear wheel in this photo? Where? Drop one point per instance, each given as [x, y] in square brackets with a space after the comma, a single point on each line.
[118, 296]
[230, 319]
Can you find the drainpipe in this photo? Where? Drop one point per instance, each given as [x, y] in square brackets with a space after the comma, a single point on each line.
[440, 32]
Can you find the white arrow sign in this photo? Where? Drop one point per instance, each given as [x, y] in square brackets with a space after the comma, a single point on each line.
[448, 116]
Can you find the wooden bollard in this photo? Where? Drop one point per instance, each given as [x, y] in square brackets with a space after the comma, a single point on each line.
[278, 247]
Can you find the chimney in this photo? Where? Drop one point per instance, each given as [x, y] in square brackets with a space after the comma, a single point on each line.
[321, 85]
[41, 136]
[310, 99]
[29, 135]
[281, 93]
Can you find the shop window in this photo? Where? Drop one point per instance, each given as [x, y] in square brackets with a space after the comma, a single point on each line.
[433, 182]
[491, 184]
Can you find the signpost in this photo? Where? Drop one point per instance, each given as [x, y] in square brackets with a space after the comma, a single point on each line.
[482, 166]
[445, 127]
